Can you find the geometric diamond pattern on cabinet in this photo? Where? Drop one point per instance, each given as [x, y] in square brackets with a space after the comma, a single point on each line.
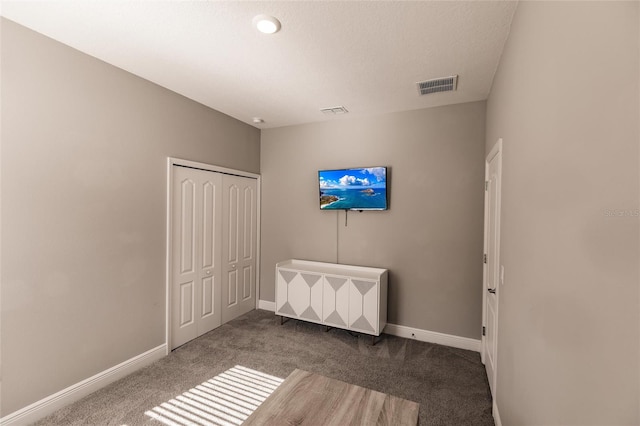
[363, 286]
[335, 318]
[332, 294]
[287, 309]
[310, 313]
[311, 280]
[336, 283]
[288, 275]
[362, 323]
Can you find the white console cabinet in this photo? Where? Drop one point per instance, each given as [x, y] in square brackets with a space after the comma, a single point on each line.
[343, 296]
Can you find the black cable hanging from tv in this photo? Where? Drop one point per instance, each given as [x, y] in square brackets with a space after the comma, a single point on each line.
[346, 213]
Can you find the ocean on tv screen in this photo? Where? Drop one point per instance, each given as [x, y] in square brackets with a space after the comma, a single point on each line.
[353, 198]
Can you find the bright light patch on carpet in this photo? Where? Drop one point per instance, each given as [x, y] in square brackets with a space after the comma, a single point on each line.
[226, 400]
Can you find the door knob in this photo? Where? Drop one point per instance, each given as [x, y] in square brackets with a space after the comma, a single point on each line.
[491, 290]
[209, 272]
[233, 266]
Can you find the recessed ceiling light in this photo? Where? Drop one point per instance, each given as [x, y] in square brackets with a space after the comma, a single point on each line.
[258, 120]
[266, 24]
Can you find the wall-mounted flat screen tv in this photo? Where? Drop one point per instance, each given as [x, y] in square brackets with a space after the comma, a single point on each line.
[353, 189]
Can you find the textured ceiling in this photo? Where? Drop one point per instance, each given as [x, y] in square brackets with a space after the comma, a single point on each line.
[364, 55]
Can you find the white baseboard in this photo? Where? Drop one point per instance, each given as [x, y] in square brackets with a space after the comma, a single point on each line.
[433, 337]
[266, 305]
[496, 414]
[412, 333]
[48, 405]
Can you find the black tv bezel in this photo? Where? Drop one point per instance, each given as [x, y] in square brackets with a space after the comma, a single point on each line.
[386, 189]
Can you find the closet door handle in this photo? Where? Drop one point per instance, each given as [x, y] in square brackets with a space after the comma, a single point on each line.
[491, 290]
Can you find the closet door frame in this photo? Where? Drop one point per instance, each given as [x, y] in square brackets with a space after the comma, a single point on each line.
[169, 243]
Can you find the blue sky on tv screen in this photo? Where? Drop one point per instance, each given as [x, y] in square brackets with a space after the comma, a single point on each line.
[372, 177]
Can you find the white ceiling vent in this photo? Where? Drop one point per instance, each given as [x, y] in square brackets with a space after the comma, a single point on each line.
[334, 110]
[445, 84]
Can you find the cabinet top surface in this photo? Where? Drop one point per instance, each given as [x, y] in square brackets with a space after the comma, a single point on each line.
[333, 268]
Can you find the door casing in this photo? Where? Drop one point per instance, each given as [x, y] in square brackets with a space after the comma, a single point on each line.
[171, 161]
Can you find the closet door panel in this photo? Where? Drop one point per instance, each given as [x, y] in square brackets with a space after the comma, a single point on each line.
[196, 272]
[239, 245]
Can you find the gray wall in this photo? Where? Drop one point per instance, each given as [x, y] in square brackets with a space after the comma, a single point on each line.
[565, 102]
[431, 237]
[84, 149]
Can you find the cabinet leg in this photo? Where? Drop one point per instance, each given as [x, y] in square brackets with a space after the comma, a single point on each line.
[283, 319]
[373, 340]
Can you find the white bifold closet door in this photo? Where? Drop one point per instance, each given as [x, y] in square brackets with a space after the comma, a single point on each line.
[239, 235]
[214, 243]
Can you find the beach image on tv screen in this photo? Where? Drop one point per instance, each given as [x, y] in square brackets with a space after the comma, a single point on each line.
[356, 189]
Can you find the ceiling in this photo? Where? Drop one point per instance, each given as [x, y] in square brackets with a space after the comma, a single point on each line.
[366, 56]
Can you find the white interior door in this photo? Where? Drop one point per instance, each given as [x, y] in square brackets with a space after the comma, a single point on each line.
[239, 247]
[196, 258]
[492, 264]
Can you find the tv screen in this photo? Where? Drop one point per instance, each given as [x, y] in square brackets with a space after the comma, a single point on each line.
[353, 189]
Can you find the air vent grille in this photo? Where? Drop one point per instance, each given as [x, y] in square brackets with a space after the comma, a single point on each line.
[334, 110]
[445, 84]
